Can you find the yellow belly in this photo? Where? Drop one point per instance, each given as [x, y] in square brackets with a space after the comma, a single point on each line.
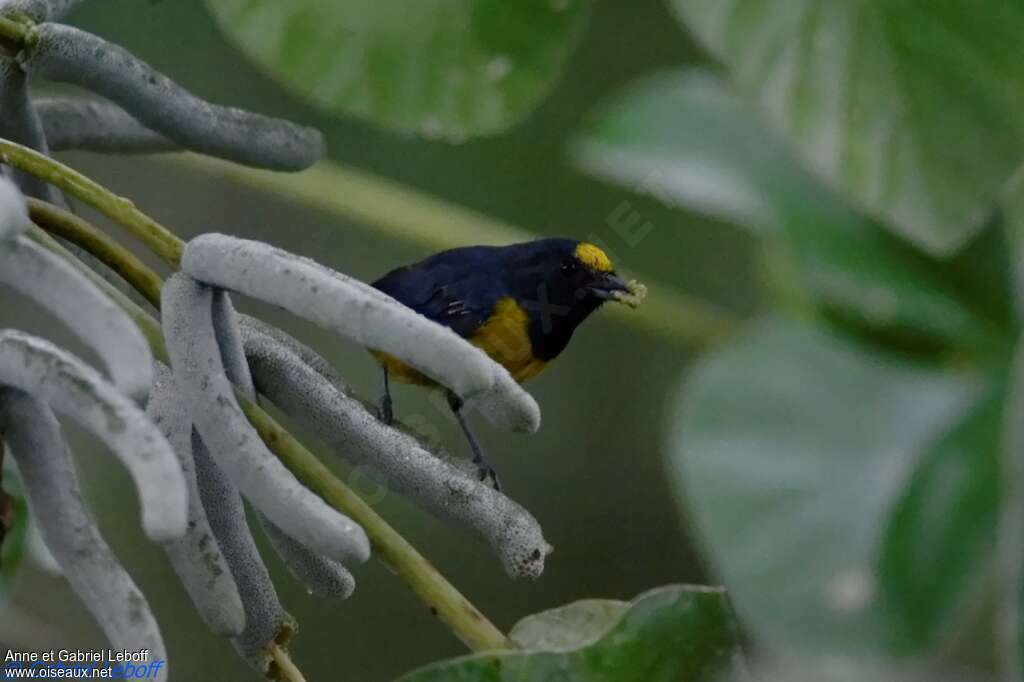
[504, 337]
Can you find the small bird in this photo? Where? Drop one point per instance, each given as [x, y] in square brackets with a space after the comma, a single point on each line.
[520, 304]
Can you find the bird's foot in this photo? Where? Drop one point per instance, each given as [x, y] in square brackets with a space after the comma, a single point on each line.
[386, 411]
[485, 471]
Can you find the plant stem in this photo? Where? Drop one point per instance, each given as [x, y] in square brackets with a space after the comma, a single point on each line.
[434, 224]
[157, 238]
[150, 327]
[14, 32]
[80, 233]
[285, 668]
[443, 599]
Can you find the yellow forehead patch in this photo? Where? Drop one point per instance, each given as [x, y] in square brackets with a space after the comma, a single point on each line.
[593, 257]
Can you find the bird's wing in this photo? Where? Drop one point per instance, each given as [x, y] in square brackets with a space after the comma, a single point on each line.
[460, 295]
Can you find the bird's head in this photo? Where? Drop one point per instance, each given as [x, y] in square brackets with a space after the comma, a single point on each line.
[568, 275]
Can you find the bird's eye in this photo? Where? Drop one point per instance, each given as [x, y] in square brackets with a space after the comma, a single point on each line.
[568, 267]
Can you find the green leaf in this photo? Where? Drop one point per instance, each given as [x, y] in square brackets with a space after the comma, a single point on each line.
[442, 68]
[793, 448]
[915, 110]
[946, 518]
[1011, 530]
[568, 627]
[668, 634]
[683, 137]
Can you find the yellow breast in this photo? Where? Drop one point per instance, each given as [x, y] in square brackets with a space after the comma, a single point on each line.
[504, 337]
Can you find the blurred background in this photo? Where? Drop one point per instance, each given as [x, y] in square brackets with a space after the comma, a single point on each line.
[593, 476]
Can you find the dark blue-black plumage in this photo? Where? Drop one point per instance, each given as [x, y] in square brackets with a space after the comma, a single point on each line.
[460, 288]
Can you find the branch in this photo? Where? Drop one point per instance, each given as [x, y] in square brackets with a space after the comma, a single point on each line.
[14, 33]
[465, 620]
[155, 236]
[68, 226]
[284, 669]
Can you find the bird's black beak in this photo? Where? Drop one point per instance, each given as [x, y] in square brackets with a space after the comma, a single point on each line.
[608, 286]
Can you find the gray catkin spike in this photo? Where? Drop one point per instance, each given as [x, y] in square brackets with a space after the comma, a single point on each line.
[13, 214]
[53, 283]
[365, 315]
[196, 557]
[69, 55]
[320, 575]
[265, 619]
[404, 465]
[229, 341]
[304, 352]
[97, 126]
[55, 502]
[73, 388]
[259, 475]
[20, 123]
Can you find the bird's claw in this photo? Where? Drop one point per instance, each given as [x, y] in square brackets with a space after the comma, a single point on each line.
[486, 471]
[386, 411]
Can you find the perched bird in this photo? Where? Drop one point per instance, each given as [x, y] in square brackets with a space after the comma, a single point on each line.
[520, 304]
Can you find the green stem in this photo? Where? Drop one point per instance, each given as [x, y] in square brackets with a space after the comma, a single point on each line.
[14, 32]
[150, 327]
[432, 224]
[80, 233]
[443, 599]
[157, 238]
[284, 669]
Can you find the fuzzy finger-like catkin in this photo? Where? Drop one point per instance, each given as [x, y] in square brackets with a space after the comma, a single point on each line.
[52, 282]
[71, 387]
[69, 55]
[260, 476]
[55, 502]
[396, 457]
[196, 557]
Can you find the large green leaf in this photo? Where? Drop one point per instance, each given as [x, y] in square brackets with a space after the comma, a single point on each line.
[443, 68]
[666, 635]
[568, 627]
[914, 109]
[793, 449]
[947, 518]
[1011, 530]
[685, 138]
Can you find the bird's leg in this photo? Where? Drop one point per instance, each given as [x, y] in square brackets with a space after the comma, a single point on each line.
[483, 465]
[387, 413]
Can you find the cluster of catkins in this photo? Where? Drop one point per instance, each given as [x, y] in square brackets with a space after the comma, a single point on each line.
[180, 430]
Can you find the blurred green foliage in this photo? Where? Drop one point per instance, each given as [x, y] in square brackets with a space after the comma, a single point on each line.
[844, 458]
[666, 635]
[912, 109]
[446, 70]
